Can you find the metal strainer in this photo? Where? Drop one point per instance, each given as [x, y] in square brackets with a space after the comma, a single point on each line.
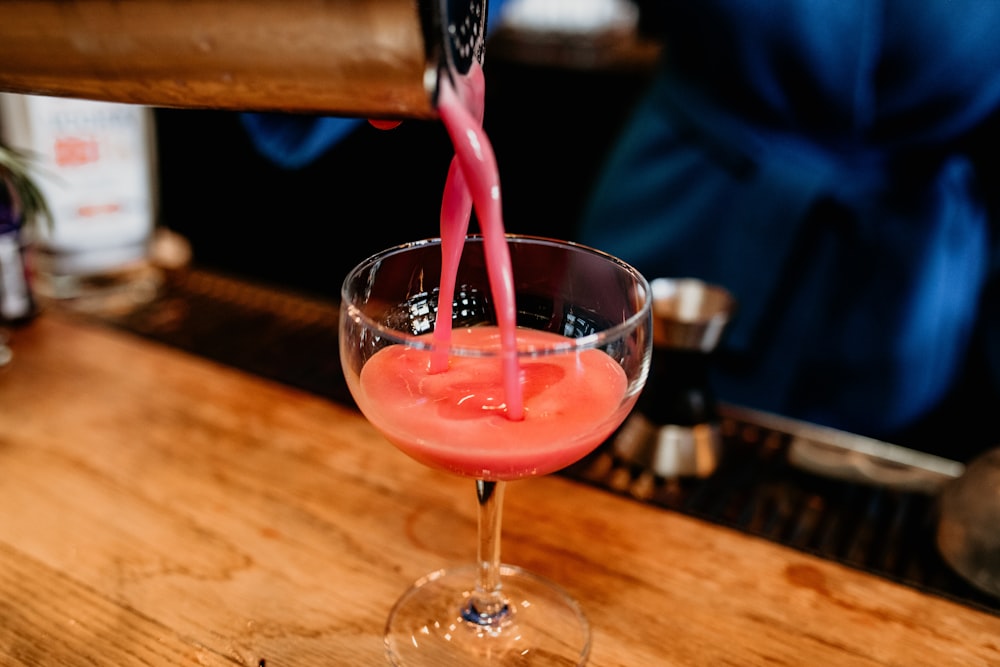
[454, 34]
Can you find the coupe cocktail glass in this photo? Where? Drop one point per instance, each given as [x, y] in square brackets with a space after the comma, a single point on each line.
[583, 351]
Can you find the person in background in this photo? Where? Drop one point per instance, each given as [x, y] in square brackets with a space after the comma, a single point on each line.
[834, 165]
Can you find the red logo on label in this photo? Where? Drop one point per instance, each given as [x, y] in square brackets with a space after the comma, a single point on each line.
[97, 209]
[73, 151]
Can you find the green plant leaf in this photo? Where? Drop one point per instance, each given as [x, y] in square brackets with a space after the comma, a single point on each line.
[15, 171]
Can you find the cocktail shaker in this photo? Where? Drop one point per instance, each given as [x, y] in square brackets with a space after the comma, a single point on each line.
[360, 58]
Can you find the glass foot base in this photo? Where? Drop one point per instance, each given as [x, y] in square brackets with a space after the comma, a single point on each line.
[542, 624]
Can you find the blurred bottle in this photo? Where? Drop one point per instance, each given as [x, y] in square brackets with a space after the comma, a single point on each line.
[96, 168]
[968, 530]
[16, 302]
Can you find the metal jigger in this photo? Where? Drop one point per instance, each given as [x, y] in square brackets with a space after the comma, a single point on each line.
[674, 430]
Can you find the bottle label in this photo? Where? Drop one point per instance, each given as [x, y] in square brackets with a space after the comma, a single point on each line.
[95, 170]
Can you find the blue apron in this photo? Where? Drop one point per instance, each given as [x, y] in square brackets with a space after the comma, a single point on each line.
[810, 157]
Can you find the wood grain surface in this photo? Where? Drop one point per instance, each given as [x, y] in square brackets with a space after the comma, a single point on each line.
[158, 509]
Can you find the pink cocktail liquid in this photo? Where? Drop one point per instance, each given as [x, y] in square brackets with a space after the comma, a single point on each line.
[474, 180]
[455, 420]
[496, 417]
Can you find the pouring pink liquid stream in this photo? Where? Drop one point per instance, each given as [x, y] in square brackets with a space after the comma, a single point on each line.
[551, 411]
[473, 179]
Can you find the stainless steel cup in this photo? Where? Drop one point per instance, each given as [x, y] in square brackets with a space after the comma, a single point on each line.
[674, 430]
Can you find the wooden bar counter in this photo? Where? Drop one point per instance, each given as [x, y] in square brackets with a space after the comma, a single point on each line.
[159, 509]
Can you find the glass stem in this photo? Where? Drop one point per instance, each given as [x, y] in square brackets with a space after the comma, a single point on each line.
[487, 605]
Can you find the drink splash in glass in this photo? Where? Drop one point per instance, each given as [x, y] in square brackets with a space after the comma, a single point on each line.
[497, 358]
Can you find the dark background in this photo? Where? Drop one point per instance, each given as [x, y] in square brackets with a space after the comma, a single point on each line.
[551, 126]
